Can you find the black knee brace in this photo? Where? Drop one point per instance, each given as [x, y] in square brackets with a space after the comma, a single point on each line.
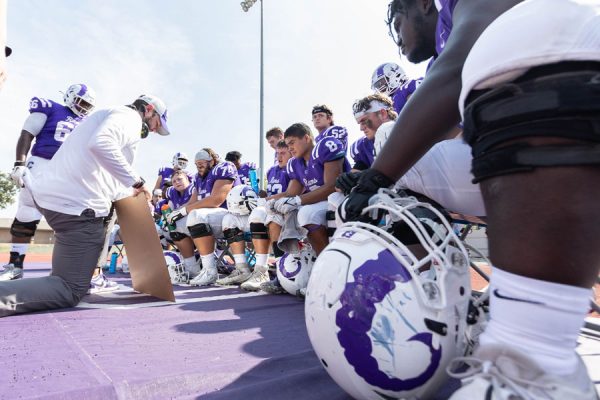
[177, 236]
[233, 235]
[200, 230]
[259, 231]
[23, 229]
[559, 100]
[331, 226]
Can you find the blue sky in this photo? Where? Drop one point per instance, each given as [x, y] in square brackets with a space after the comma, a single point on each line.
[202, 58]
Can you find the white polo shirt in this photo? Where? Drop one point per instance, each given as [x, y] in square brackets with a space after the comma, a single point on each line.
[93, 167]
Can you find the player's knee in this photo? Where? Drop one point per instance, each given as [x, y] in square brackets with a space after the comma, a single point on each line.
[233, 235]
[259, 231]
[23, 229]
[178, 236]
[199, 230]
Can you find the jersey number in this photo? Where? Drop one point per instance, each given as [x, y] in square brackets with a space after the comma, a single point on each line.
[274, 188]
[63, 129]
[331, 146]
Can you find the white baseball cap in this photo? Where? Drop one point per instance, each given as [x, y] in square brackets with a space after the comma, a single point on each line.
[161, 109]
[203, 155]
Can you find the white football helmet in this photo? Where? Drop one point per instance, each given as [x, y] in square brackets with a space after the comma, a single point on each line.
[176, 268]
[80, 98]
[241, 200]
[381, 136]
[381, 325]
[387, 78]
[293, 270]
[180, 160]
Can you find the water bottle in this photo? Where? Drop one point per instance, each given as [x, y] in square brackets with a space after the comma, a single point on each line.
[166, 210]
[253, 180]
[112, 269]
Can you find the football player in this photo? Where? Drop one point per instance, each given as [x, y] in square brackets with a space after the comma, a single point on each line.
[312, 171]
[389, 79]
[180, 161]
[274, 136]
[524, 70]
[178, 196]
[243, 169]
[322, 118]
[48, 125]
[212, 183]
[262, 230]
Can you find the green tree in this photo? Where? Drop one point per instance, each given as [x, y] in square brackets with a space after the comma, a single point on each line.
[8, 189]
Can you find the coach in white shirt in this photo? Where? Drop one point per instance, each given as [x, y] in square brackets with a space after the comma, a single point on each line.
[91, 170]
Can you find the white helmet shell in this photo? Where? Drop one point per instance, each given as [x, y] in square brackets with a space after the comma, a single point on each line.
[80, 98]
[241, 200]
[380, 328]
[388, 78]
[180, 160]
[175, 266]
[293, 270]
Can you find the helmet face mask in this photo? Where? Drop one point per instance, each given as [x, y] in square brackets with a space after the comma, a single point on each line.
[81, 99]
[383, 321]
[241, 200]
[388, 78]
[175, 266]
[180, 161]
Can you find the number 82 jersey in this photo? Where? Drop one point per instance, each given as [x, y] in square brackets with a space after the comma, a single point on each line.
[311, 174]
[60, 121]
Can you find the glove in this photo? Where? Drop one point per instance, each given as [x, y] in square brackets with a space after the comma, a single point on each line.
[270, 205]
[346, 182]
[287, 204]
[369, 183]
[176, 215]
[17, 173]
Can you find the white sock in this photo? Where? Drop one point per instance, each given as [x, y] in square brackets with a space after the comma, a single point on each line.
[261, 259]
[209, 262]
[538, 318]
[239, 259]
[20, 248]
[191, 265]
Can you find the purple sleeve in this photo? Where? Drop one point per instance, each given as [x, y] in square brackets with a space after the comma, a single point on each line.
[40, 105]
[328, 149]
[291, 170]
[357, 151]
[225, 170]
[169, 193]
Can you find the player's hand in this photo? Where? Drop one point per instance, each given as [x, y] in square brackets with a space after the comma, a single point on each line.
[17, 175]
[144, 191]
[346, 181]
[369, 183]
[286, 204]
[176, 215]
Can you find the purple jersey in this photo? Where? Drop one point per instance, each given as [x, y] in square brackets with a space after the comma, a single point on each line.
[60, 121]
[158, 205]
[244, 173]
[444, 23]
[277, 180]
[311, 174]
[178, 199]
[338, 132]
[403, 93]
[224, 170]
[165, 174]
[362, 152]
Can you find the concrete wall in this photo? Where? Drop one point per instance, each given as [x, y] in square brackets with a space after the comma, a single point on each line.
[43, 235]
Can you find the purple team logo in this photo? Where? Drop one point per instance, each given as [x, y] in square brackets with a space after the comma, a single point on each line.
[348, 234]
[367, 338]
[289, 266]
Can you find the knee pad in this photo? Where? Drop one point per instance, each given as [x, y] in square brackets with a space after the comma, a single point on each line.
[565, 104]
[259, 231]
[331, 224]
[23, 229]
[233, 235]
[199, 230]
[177, 236]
